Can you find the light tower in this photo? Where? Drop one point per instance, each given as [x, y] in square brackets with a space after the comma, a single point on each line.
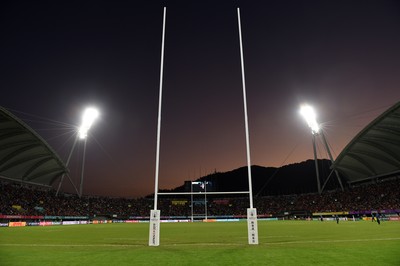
[311, 118]
[88, 118]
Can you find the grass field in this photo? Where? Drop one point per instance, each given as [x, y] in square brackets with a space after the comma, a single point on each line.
[281, 243]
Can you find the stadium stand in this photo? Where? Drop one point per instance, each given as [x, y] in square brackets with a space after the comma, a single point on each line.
[375, 151]
[24, 155]
[370, 165]
[17, 199]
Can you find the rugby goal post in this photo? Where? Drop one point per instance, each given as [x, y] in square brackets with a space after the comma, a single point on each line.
[155, 217]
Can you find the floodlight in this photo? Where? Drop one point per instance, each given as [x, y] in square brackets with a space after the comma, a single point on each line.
[88, 118]
[309, 115]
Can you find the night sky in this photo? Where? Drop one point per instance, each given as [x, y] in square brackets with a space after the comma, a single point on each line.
[342, 57]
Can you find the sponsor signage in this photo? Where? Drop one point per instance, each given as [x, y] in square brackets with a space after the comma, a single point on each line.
[70, 222]
[329, 213]
[65, 217]
[16, 224]
[179, 202]
[20, 217]
[252, 226]
[154, 235]
[45, 223]
[375, 211]
[131, 221]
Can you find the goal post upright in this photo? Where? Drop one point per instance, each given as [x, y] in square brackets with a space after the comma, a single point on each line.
[251, 212]
[154, 230]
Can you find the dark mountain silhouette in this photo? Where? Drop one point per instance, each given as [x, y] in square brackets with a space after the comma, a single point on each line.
[295, 178]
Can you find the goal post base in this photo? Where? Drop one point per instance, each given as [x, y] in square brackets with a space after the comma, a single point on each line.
[154, 235]
[252, 226]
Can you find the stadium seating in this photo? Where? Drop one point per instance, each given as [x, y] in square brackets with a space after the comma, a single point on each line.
[16, 199]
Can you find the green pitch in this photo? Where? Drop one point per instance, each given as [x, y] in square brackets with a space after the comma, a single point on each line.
[281, 243]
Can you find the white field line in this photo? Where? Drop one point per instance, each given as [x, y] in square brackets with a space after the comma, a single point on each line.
[70, 245]
[204, 244]
[122, 238]
[291, 242]
[335, 241]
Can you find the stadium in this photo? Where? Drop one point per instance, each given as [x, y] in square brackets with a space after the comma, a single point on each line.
[342, 211]
[369, 168]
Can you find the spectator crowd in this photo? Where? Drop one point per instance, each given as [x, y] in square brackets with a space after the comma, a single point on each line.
[17, 199]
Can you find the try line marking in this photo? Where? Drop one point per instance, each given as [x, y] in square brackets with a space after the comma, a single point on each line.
[334, 241]
[203, 244]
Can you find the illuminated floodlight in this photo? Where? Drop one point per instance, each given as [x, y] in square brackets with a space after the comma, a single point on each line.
[309, 115]
[88, 118]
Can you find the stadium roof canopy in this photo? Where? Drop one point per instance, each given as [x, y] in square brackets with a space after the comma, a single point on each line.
[24, 155]
[375, 151]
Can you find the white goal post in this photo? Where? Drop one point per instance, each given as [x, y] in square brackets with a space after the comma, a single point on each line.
[154, 232]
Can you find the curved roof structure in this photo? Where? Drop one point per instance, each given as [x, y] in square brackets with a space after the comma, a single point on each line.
[24, 155]
[375, 151]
